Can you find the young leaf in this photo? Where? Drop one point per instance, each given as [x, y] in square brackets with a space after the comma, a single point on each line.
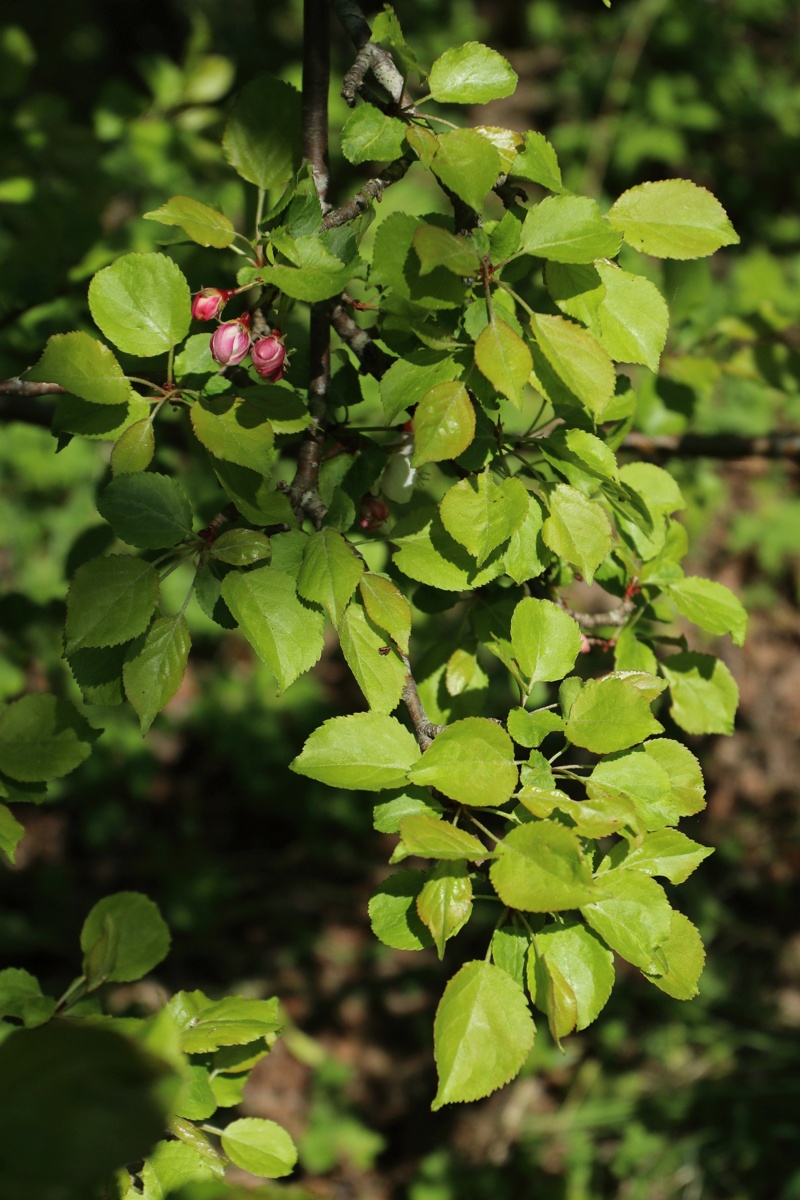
[365, 751]
[577, 529]
[203, 224]
[530, 729]
[672, 218]
[471, 74]
[11, 832]
[110, 601]
[408, 379]
[467, 164]
[205, 1024]
[637, 777]
[437, 247]
[141, 303]
[240, 547]
[482, 1034]
[537, 162]
[393, 912]
[154, 668]
[134, 450]
[371, 136]
[444, 423]
[380, 676]
[42, 737]
[632, 917]
[426, 552]
[330, 571]
[142, 938]
[667, 852]
[316, 273]
[704, 693]
[552, 994]
[386, 607]
[584, 963]
[540, 868]
[710, 605]
[526, 554]
[21, 997]
[428, 837]
[259, 1146]
[84, 367]
[683, 770]
[610, 714]
[146, 510]
[174, 1165]
[235, 430]
[482, 514]
[264, 152]
[410, 801]
[444, 904]
[546, 640]
[505, 360]
[471, 761]
[510, 950]
[568, 229]
[283, 631]
[685, 958]
[579, 361]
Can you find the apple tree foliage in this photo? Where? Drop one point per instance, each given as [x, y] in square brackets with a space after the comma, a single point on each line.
[493, 335]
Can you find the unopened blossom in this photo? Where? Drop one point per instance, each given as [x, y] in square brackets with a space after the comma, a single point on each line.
[209, 303]
[230, 342]
[269, 357]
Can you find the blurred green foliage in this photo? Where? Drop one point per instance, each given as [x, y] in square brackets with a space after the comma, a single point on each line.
[107, 110]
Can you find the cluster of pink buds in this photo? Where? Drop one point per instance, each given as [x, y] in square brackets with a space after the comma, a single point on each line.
[269, 357]
[231, 341]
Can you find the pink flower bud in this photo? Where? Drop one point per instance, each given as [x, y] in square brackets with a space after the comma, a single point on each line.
[230, 342]
[269, 358]
[209, 302]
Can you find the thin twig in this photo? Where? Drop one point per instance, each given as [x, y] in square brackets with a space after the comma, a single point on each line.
[593, 620]
[21, 387]
[370, 57]
[372, 190]
[373, 360]
[424, 729]
[727, 446]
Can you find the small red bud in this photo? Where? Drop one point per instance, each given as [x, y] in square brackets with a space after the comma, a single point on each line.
[230, 341]
[374, 512]
[269, 357]
[209, 303]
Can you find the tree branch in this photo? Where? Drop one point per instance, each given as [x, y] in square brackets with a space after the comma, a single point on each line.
[370, 58]
[424, 729]
[728, 446]
[20, 387]
[373, 189]
[594, 620]
[373, 360]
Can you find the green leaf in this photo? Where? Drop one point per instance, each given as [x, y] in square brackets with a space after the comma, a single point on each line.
[142, 938]
[568, 229]
[285, 633]
[134, 450]
[471, 761]
[685, 776]
[530, 729]
[62, 1080]
[386, 607]
[526, 554]
[262, 140]
[482, 514]
[444, 423]
[577, 530]
[428, 837]
[259, 1146]
[110, 601]
[84, 367]
[141, 303]
[43, 737]
[21, 997]
[240, 547]
[365, 751]
[197, 1102]
[633, 917]
[173, 1165]
[667, 852]
[11, 832]
[444, 904]
[468, 164]
[579, 361]
[580, 457]
[540, 868]
[552, 994]
[205, 1025]
[510, 950]
[610, 714]
[154, 668]
[235, 430]
[396, 265]
[505, 360]
[393, 912]
[409, 378]
[637, 777]
[98, 673]
[430, 555]
[704, 693]
[316, 273]
[371, 136]
[585, 964]
[388, 816]
[437, 247]
[673, 218]
[253, 494]
[546, 640]
[482, 1034]
[380, 675]
[471, 74]
[330, 571]
[537, 162]
[685, 957]
[626, 313]
[710, 605]
[386, 28]
[146, 510]
[203, 224]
